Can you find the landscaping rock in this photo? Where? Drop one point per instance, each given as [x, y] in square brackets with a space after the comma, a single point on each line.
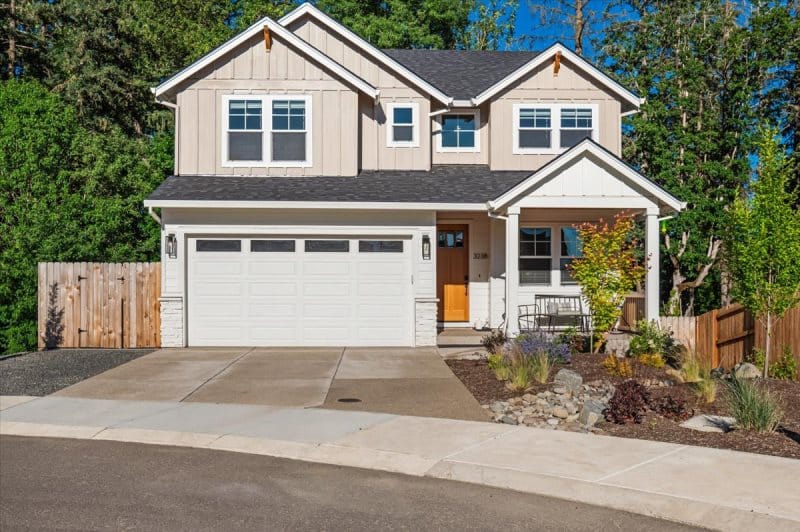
[509, 420]
[560, 390]
[591, 413]
[498, 407]
[570, 380]
[746, 370]
[560, 412]
[552, 421]
[709, 423]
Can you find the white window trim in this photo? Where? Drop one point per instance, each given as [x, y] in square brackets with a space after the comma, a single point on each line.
[414, 142]
[266, 129]
[555, 124]
[551, 256]
[555, 256]
[439, 121]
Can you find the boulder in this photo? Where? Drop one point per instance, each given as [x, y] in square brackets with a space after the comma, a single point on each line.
[746, 370]
[570, 380]
[591, 413]
[509, 420]
[708, 423]
[560, 412]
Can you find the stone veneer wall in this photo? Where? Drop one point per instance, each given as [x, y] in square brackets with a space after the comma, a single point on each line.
[425, 322]
[171, 321]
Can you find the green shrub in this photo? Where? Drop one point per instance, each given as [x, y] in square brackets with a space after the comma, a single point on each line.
[577, 342]
[786, 367]
[753, 406]
[692, 369]
[494, 341]
[706, 389]
[651, 339]
[541, 364]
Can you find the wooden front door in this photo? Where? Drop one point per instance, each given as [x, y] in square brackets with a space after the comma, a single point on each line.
[452, 272]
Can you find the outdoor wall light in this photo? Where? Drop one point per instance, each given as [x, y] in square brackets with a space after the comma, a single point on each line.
[171, 246]
[426, 247]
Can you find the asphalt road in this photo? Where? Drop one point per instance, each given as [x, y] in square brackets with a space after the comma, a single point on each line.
[48, 484]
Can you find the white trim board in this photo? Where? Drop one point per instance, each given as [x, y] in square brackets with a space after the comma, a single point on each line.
[343, 205]
[572, 57]
[280, 32]
[308, 9]
[586, 147]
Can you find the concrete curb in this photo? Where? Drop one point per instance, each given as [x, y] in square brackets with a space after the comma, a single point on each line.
[513, 458]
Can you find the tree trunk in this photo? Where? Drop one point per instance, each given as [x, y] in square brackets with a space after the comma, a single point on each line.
[12, 41]
[577, 28]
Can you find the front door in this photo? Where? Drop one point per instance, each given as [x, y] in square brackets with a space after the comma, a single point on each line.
[452, 272]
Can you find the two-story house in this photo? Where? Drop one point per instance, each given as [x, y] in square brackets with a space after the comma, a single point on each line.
[327, 192]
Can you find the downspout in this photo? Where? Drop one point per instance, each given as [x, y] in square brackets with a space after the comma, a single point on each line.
[154, 216]
[177, 110]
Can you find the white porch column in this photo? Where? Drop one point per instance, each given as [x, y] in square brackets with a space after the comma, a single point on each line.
[652, 287]
[512, 271]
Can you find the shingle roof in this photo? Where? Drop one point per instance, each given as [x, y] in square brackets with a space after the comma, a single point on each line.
[443, 184]
[461, 74]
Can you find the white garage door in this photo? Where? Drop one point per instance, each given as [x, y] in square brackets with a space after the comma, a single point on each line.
[262, 291]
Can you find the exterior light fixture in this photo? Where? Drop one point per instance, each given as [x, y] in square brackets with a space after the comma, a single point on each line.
[171, 246]
[426, 247]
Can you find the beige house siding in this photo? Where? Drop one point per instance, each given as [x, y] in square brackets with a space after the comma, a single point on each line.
[374, 152]
[251, 69]
[445, 157]
[571, 86]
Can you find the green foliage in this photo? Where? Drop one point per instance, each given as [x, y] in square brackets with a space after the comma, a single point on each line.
[753, 406]
[491, 25]
[706, 389]
[763, 241]
[653, 346]
[403, 23]
[786, 366]
[68, 194]
[577, 342]
[497, 363]
[521, 375]
[691, 370]
[617, 367]
[607, 269]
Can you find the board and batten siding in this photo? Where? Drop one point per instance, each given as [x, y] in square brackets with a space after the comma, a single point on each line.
[374, 153]
[571, 86]
[252, 70]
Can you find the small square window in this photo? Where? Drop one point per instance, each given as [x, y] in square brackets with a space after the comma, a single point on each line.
[458, 131]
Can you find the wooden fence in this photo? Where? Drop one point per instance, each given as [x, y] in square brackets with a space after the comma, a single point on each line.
[725, 337]
[92, 304]
[632, 311]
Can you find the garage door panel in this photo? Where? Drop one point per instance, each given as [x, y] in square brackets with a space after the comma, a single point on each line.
[327, 268]
[325, 289]
[273, 268]
[263, 298]
[220, 289]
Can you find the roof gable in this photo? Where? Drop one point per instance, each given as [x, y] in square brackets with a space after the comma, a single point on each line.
[514, 77]
[307, 9]
[589, 170]
[280, 32]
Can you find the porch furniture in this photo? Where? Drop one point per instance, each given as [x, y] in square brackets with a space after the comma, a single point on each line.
[553, 311]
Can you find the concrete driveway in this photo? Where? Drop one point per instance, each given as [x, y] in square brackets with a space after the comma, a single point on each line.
[403, 381]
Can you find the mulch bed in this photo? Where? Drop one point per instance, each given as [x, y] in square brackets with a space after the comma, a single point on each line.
[480, 381]
[46, 372]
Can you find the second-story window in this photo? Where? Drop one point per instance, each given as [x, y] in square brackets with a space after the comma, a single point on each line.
[576, 125]
[245, 132]
[289, 130]
[402, 125]
[552, 128]
[535, 128]
[459, 132]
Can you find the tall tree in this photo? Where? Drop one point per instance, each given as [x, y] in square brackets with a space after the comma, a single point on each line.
[699, 68]
[576, 22]
[491, 26]
[763, 241]
[403, 23]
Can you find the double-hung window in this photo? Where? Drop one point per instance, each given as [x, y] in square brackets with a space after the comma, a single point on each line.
[535, 128]
[535, 255]
[245, 134]
[552, 128]
[570, 249]
[576, 125]
[267, 131]
[402, 125]
[289, 133]
[459, 132]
